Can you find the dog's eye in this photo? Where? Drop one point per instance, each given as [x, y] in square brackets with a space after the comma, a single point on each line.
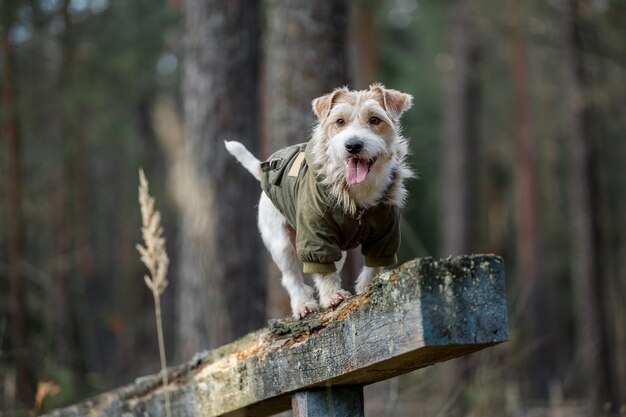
[374, 120]
[340, 122]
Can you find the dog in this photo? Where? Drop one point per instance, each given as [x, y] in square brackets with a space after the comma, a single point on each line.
[341, 189]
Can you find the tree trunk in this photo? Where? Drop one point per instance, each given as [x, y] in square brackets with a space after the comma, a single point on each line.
[306, 58]
[363, 44]
[83, 222]
[13, 219]
[460, 144]
[460, 134]
[222, 281]
[71, 325]
[529, 246]
[589, 275]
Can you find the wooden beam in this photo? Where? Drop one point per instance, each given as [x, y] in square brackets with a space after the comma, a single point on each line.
[424, 312]
[343, 401]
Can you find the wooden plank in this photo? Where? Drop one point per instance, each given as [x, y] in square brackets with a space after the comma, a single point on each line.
[424, 312]
[341, 401]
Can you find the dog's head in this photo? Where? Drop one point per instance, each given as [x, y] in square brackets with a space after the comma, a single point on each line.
[358, 149]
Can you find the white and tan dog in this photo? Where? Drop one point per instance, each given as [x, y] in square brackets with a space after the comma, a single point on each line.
[342, 189]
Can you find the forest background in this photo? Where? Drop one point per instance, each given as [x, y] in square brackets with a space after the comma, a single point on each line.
[517, 133]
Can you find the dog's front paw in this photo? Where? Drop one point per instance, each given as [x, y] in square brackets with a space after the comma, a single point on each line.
[304, 309]
[365, 277]
[334, 299]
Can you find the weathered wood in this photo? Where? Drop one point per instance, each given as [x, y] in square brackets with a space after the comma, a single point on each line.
[343, 401]
[424, 312]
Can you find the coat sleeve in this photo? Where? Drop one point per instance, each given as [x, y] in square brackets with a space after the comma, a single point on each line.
[317, 242]
[384, 240]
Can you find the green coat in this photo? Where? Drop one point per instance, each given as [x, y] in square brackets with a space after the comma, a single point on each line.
[322, 230]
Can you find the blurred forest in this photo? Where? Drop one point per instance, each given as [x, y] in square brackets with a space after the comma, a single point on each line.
[517, 132]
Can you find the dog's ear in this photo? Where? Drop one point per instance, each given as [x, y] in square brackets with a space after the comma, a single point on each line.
[322, 105]
[394, 101]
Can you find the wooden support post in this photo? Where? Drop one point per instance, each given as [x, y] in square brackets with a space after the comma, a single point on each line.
[424, 312]
[344, 401]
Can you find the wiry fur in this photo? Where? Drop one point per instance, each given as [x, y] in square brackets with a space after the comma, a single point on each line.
[384, 182]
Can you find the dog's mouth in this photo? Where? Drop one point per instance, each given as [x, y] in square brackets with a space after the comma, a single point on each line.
[357, 169]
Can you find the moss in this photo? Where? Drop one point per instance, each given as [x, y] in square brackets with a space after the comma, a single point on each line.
[292, 328]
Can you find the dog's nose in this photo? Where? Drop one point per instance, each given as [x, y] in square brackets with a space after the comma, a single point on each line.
[354, 145]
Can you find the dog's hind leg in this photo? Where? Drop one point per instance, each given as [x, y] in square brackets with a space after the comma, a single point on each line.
[275, 234]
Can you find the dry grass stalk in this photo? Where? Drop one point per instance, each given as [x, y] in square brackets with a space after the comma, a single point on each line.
[154, 256]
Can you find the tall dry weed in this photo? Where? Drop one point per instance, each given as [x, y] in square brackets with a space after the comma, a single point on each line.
[154, 256]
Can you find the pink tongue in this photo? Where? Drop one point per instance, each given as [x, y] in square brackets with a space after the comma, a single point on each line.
[356, 170]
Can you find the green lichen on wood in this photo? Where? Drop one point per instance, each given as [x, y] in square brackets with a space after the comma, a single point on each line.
[435, 279]
[466, 294]
[290, 327]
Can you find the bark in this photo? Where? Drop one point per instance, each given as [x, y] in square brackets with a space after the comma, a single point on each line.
[306, 58]
[13, 219]
[60, 237]
[529, 241]
[364, 45]
[461, 134]
[82, 205]
[221, 279]
[424, 312]
[71, 325]
[589, 275]
[460, 146]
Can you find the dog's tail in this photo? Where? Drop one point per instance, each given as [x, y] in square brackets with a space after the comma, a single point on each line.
[244, 156]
